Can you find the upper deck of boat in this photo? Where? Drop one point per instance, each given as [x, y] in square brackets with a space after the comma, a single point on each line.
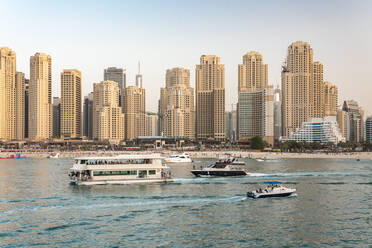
[124, 156]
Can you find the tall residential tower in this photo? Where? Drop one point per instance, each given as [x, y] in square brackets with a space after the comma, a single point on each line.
[40, 97]
[210, 99]
[71, 103]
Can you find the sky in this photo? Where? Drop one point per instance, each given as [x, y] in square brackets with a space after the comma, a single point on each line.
[93, 35]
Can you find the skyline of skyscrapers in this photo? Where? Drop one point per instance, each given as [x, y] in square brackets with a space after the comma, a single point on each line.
[27, 110]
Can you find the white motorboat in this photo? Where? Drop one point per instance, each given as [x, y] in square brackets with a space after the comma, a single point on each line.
[180, 158]
[272, 190]
[54, 155]
[222, 168]
[122, 169]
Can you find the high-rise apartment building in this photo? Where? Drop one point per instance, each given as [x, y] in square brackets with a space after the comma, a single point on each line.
[108, 119]
[210, 99]
[303, 89]
[134, 110]
[316, 96]
[71, 103]
[40, 97]
[152, 122]
[117, 75]
[231, 126]
[8, 95]
[351, 121]
[26, 94]
[277, 114]
[177, 100]
[253, 72]
[369, 129]
[255, 100]
[56, 117]
[20, 105]
[330, 99]
[88, 116]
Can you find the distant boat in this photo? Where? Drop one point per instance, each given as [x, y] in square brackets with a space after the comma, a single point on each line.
[259, 159]
[182, 158]
[54, 155]
[12, 156]
[222, 168]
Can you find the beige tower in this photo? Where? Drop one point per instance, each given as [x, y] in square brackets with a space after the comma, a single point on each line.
[297, 87]
[9, 100]
[210, 99]
[20, 105]
[40, 97]
[177, 101]
[330, 99]
[252, 73]
[316, 91]
[256, 99]
[134, 110]
[108, 119]
[71, 103]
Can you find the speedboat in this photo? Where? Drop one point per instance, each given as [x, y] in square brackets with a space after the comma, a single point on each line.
[222, 168]
[272, 190]
[54, 155]
[181, 158]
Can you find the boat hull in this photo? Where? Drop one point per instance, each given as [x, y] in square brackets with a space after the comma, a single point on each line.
[133, 181]
[203, 173]
[263, 195]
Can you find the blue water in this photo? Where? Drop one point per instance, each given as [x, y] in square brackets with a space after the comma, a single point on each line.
[333, 207]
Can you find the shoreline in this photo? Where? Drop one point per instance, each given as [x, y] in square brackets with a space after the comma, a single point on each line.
[201, 154]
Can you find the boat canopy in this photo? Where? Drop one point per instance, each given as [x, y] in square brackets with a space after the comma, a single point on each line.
[273, 182]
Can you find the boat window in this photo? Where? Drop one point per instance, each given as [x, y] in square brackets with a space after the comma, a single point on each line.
[142, 173]
[210, 166]
[152, 172]
[114, 173]
[83, 161]
[76, 161]
[219, 165]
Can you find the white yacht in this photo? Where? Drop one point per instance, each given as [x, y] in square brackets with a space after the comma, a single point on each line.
[181, 158]
[122, 169]
[222, 168]
[272, 190]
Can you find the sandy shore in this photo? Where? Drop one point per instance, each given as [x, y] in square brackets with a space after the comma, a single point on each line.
[204, 154]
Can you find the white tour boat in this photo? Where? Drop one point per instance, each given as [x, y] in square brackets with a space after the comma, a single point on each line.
[122, 169]
[181, 158]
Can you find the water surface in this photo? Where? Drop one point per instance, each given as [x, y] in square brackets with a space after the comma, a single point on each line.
[38, 207]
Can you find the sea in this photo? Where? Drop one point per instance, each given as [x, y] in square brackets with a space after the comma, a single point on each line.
[332, 208]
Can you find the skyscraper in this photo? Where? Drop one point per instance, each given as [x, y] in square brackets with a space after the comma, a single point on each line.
[277, 114]
[71, 103]
[8, 94]
[152, 125]
[139, 77]
[20, 105]
[210, 99]
[302, 88]
[255, 100]
[88, 116]
[56, 117]
[117, 75]
[369, 129]
[40, 97]
[330, 99]
[178, 104]
[27, 83]
[108, 119]
[134, 110]
[351, 119]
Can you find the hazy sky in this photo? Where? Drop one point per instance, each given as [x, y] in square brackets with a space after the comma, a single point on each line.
[92, 35]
